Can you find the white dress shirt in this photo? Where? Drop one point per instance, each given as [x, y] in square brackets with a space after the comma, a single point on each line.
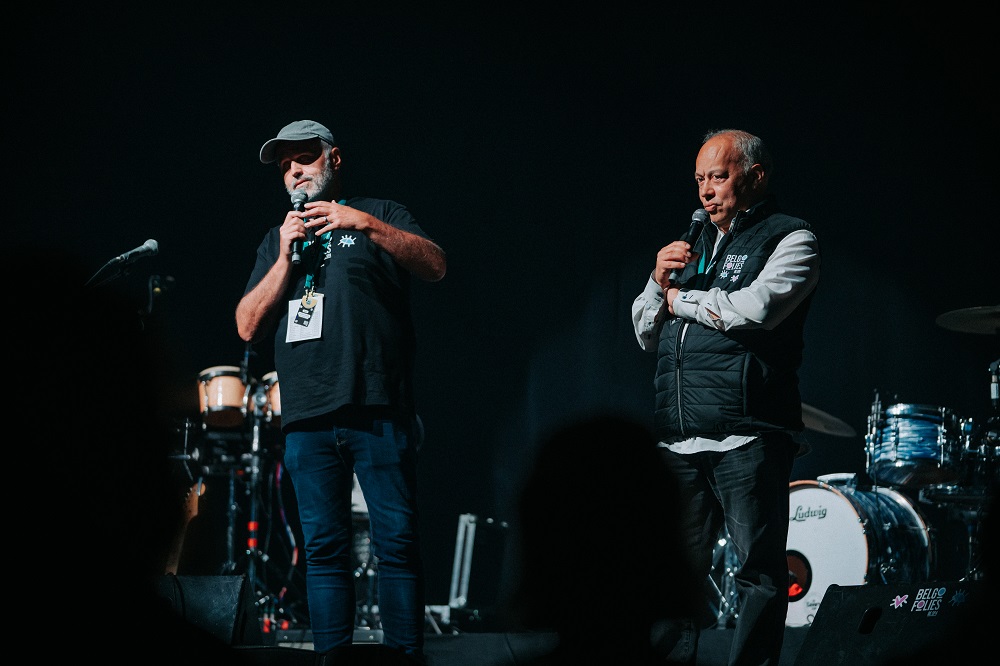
[788, 277]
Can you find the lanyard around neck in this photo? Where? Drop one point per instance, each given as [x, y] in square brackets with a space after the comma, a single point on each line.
[320, 254]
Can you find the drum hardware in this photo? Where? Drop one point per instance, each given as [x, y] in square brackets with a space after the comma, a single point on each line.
[365, 576]
[957, 512]
[722, 581]
[253, 552]
[848, 480]
[994, 370]
[250, 468]
[366, 569]
[236, 411]
[188, 453]
[272, 403]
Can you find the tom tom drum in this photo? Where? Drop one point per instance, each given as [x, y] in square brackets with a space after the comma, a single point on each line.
[223, 396]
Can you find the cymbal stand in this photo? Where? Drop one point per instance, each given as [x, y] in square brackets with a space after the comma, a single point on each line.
[872, 433]
[874, 441]
[988, 445]
[229, 566]
[995, 386]
[250, 463]
[254, 554]
[970, 518]
[365, 575]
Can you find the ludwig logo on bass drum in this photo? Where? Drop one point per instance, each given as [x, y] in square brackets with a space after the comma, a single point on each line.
[802, 514]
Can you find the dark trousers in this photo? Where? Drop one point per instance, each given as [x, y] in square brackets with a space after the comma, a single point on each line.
[321, 462]
[746, 489]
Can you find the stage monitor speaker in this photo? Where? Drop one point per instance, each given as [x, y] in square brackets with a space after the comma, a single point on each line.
[221, 605]
[896, 624]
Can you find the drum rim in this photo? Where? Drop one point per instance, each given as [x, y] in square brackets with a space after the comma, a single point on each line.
[813, 483]
[219, 371]
[924, 409]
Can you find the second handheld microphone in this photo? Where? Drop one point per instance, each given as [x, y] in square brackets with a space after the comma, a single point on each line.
[699, 219]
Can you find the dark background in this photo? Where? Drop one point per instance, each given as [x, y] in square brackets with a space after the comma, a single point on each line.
[551, 157]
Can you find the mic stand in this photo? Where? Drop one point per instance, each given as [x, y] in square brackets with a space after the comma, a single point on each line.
[156, 286]
[105, 273]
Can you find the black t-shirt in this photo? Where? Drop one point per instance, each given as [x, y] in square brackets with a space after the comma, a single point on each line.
[364, 356]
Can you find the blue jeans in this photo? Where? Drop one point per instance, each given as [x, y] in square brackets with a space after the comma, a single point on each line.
[747, 488]
[321, 460]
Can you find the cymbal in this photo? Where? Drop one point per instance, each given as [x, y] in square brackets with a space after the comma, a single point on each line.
[820, 421]
[985, 319]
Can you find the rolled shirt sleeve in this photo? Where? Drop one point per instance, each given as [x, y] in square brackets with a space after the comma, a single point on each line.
[788, 277]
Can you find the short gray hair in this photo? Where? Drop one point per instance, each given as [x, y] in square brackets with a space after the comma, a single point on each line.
[751, 148]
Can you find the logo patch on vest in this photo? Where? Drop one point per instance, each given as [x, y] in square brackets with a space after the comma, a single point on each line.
[733, 264]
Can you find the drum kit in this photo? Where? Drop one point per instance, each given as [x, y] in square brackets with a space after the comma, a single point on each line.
[914, 515]
[240, 436]
[238, 440]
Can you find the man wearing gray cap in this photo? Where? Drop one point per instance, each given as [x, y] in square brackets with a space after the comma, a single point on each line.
[332, 283]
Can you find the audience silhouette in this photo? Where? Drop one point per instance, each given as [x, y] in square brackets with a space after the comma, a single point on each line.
[105, 500]
[599, 561]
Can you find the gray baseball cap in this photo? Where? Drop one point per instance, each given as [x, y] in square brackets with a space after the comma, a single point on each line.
[300, 130]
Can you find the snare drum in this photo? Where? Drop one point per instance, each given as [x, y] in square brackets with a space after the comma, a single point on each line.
[223, 396]
[272, 412]
[845, 536]
[914, 445]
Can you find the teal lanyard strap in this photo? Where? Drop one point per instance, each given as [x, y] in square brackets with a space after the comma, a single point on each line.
[325, 241]
[715, 253]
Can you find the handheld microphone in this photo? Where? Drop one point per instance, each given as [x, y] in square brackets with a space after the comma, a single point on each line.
[147, 249]
[299, 198]
[698, 221]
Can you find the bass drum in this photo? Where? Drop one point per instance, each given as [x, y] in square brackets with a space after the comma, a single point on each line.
[845, 536]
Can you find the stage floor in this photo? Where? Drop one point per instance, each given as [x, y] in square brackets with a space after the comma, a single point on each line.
[495, 649]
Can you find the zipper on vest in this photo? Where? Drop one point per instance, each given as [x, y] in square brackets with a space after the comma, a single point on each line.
[677, 374]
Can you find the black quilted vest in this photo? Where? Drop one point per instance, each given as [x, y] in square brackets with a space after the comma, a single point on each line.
[741, 381]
